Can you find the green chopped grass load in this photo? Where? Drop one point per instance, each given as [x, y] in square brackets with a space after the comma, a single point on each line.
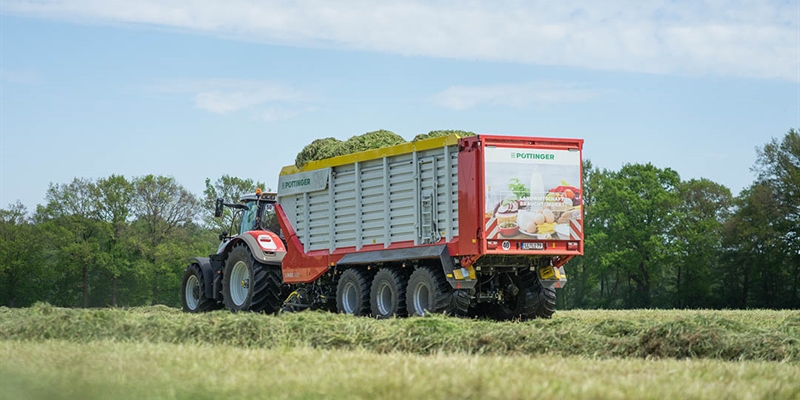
[440, 133]
[321, 149]
[318, 150]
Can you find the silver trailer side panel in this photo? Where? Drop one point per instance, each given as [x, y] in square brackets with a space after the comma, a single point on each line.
[409, 197]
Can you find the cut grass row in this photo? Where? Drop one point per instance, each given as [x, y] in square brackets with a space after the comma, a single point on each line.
[722, 335]
[57, 369]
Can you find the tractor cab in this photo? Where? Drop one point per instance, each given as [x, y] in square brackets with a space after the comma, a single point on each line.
[255, 212]
[260, 212]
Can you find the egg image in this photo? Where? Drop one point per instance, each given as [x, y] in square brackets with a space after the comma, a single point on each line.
[538, 219]
[530, 226]
[549, 217]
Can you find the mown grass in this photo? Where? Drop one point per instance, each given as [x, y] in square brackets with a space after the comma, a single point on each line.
[722, 335]
[58, 369]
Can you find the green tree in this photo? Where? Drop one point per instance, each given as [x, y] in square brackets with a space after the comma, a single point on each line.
[631, 221]
[114, 198]
[162, 208]
[704, 208]
[75, 236]
[22, 273]
[755, 260]
[778, 171]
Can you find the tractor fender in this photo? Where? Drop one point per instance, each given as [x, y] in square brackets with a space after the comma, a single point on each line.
[272, 258]
[208, 274]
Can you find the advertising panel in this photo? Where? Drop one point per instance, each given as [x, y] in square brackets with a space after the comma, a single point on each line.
[532, 194]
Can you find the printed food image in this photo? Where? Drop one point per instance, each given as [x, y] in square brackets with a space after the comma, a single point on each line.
[533, 197]
[508, 228]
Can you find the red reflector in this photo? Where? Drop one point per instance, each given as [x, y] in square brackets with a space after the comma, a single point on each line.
[491, 245]
[572, 245]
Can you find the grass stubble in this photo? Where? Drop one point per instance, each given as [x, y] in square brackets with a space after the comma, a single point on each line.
[157, 352]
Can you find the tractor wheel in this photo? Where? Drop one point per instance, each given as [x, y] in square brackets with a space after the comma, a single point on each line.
[193, 295]
[248, 285]
[388, 294]
[522, 295]
[352, 292]
[429, 292]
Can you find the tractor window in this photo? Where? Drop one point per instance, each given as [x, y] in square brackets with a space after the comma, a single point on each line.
[270, 219]
[249, 217]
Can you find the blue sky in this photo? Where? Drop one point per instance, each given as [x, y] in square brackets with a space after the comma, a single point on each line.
[198, 89]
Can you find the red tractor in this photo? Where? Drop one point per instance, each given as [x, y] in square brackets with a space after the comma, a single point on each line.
[245, 273]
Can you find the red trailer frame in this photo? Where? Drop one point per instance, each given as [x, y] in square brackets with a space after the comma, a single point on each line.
[472, 241]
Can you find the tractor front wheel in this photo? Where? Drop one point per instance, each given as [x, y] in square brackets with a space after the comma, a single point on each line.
[193, 295]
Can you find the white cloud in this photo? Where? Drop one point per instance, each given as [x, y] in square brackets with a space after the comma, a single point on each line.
[518, 96]
[223, 96]
[756, 39]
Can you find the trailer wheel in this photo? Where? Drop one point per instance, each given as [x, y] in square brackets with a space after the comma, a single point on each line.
[547, 303]
[428, 292]
[460, 303]
[352, 292]
[248, 285]
[388, 294]
[193, 295]
[521, 296]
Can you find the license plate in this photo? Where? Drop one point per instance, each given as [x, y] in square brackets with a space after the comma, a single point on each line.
[532, 246]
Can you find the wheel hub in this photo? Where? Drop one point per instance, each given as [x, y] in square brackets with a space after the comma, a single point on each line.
[384, 299]
[421, 298]
[192, 292]
[240, 273]
[350, 298]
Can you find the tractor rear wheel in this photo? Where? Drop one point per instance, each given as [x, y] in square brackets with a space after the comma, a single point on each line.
[193, 295]
[248, 285]
[352, 292]
[428, 292]
[388, 293]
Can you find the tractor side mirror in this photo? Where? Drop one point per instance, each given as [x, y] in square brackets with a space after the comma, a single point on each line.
[218, 208]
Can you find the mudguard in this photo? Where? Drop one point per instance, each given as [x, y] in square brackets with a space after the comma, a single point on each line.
[264, 257]
[459, 278]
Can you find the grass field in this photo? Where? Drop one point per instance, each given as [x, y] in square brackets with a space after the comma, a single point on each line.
[157, 352]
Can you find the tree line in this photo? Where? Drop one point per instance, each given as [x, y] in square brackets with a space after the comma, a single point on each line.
[110, 242]
[652, 239]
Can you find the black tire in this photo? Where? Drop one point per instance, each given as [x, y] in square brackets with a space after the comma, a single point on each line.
[352, 292]
[428, 292]
[388, 294]
[193, 295]
[459, 304]
[547, 305]
[257, 287]
[525, 302]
